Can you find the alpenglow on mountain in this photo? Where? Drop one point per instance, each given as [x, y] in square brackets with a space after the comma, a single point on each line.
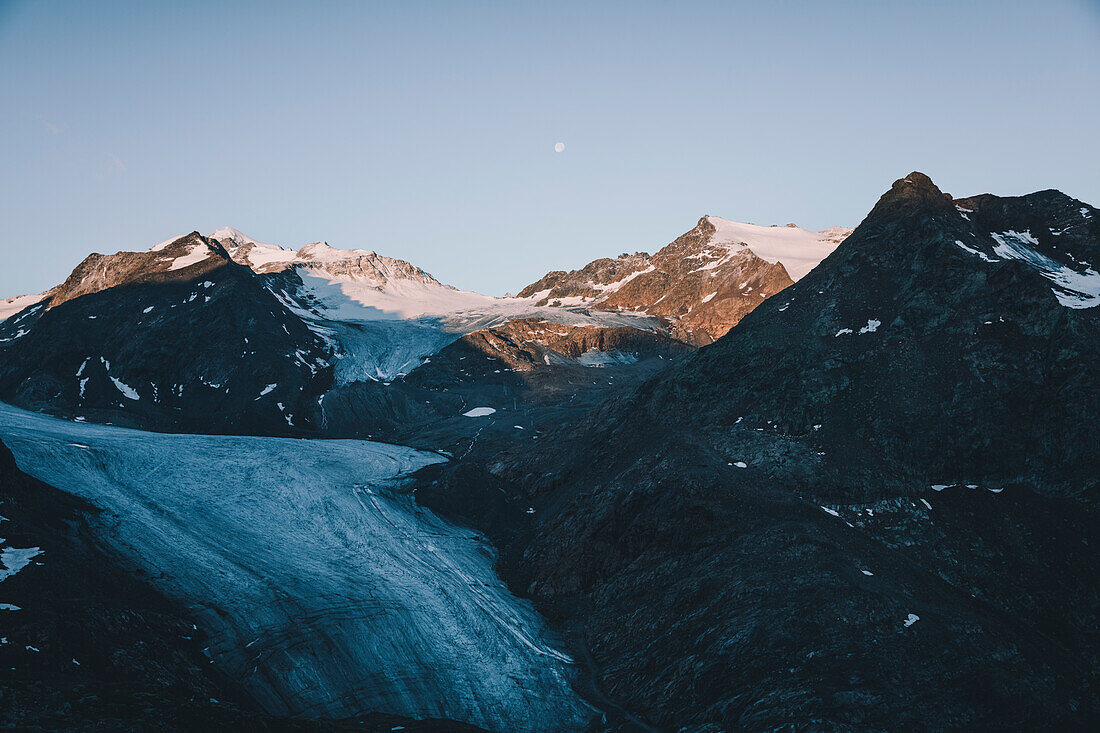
[157, 337]
[701, 284]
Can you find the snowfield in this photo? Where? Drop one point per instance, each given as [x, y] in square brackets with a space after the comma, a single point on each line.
[384, 332]
[384, 316]
[326, 591]
[10, 306]
[797, 249]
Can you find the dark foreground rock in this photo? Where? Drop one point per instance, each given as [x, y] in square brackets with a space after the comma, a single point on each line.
[870, 506]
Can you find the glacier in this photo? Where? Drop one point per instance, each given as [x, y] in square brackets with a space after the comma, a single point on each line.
[325, 590]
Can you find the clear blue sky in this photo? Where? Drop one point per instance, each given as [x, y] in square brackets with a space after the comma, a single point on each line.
[426, 131]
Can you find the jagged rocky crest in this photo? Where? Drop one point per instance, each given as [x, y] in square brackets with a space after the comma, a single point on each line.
[702, 283]
[322, 259]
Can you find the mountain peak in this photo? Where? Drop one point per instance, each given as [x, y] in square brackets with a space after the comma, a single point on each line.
[235, 236]
[917, 184]
[916, 178]
[181, 258]
[325, 252]
[915, 192]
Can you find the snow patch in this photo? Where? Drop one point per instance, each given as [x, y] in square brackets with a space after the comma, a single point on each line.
[975, 252]
[798, 250]
[197, 254]
[480, 412]
[14, 559]
[871, 327]
[1073, 289]
[128, 391]
[165, 243]
[10, 306]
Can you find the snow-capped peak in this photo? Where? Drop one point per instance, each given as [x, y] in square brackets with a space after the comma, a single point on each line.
[165, 243]
[324, 252]
[247, 251]
[320, 259]
[798, 250]
[11, 306]
[236, 237]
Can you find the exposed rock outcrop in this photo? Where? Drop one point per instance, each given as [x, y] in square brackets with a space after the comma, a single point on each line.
[702, 283]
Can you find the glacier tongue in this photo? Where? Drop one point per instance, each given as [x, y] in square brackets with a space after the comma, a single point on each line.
[326, 592]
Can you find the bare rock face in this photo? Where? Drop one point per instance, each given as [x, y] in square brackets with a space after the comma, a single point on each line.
[530, 343]
[701, 284]
[184, 258]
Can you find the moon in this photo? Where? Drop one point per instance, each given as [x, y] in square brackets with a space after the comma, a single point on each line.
[559, 147]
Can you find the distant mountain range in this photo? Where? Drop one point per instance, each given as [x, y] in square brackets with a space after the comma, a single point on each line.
[157, 337]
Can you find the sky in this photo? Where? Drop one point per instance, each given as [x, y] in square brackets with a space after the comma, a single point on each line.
[427, 130]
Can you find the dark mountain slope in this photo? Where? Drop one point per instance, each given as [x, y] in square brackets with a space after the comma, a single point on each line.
[918, 358]
[180, 338]
[762, 536]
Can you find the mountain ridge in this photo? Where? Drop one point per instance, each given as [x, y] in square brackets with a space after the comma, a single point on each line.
[702, 283]
[874, 489]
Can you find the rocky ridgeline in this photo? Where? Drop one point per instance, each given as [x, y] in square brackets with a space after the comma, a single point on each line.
[321, 259]
[179, 337]
[531, 343]
[700, 285]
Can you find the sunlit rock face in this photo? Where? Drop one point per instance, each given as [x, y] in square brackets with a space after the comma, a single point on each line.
[702, 283]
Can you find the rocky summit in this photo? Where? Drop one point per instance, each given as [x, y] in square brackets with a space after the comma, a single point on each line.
[703, 283]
